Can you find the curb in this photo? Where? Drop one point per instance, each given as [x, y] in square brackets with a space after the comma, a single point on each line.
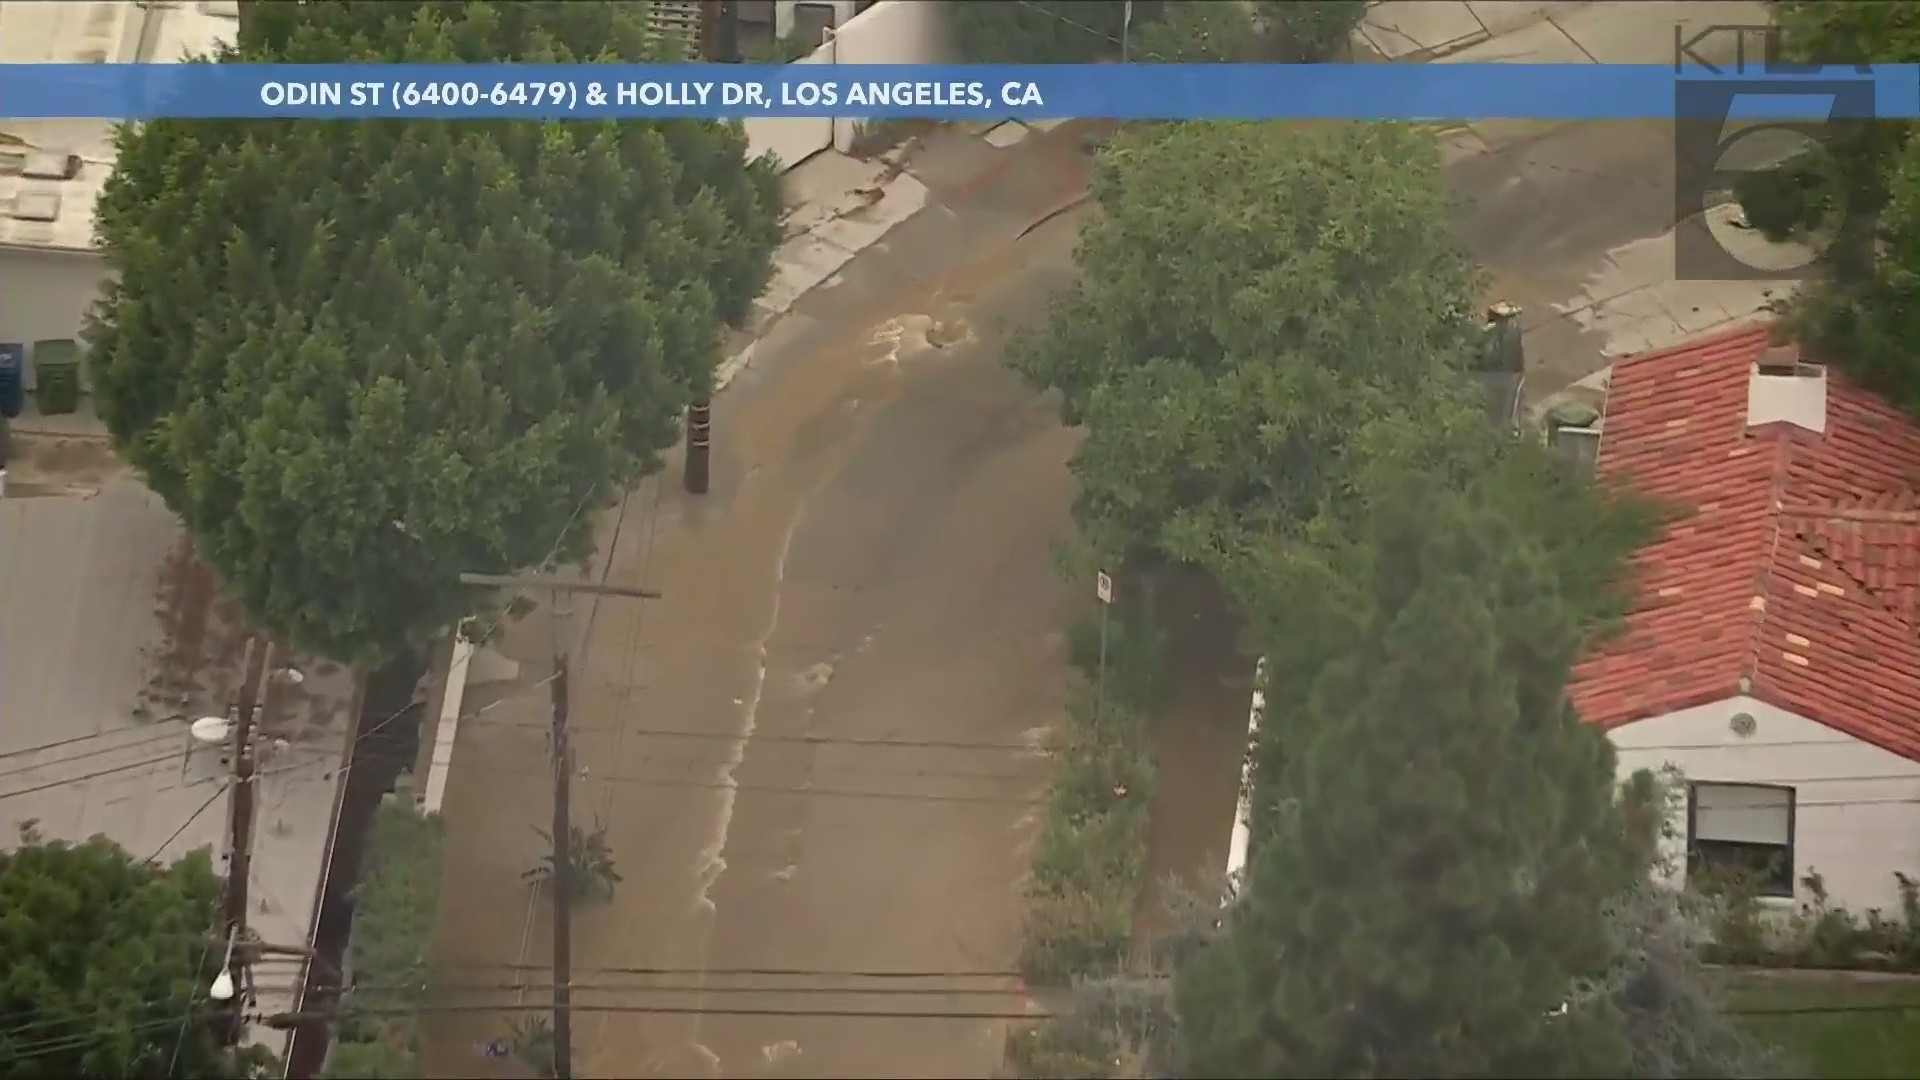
[1078, 200]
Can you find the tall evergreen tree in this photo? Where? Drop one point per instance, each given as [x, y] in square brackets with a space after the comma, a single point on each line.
[357, 358]
[1433, 881]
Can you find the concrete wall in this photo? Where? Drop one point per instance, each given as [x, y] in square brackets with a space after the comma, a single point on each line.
[890, 32]
[1857, 807]
[46, 294]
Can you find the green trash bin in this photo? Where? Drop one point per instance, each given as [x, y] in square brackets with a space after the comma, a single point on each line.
[56, 366]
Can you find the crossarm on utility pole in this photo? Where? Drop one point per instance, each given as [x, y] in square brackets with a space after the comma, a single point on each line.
[561, 877]
[529, 581]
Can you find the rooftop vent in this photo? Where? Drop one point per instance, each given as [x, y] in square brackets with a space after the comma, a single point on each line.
[1573, 432]
[1786, 390]
[50, 165]
[36, 206]
[1579, 447]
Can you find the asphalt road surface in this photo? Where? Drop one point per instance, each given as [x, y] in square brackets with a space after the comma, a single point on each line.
[818, 753]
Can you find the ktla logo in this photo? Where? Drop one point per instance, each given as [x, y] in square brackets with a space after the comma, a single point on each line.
[1746, 109]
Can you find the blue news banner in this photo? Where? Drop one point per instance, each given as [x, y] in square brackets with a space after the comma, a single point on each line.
[960, 92]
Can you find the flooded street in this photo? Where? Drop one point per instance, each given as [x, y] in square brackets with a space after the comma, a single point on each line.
[817, 757]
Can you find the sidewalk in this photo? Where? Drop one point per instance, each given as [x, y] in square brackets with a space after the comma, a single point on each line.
[841, 205]
[1532, 32]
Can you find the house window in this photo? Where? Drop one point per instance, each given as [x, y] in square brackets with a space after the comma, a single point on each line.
[1744, 831]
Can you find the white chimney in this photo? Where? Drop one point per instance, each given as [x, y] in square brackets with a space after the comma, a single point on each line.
[1782, 389]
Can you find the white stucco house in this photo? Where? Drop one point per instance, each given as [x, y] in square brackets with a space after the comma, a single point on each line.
[1773, 656]
[52, 172]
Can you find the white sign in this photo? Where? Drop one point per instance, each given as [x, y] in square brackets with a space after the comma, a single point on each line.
[1103, 587]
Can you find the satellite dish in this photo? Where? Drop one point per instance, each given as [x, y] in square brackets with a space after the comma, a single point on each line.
[222, 988]
[212, 729]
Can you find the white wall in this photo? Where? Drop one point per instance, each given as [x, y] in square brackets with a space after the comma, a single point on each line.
[46, 294]
[890, 32]
[1857, 813]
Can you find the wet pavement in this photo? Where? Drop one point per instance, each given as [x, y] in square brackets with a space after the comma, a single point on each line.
[816, 758]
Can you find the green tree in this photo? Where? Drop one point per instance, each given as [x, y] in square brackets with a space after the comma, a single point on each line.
[1199, 32]
[106, 964]
[1041, 31]
[1857, 196]
[359, 358]
[1266, 314]
[1435, 880]
[1312, 31]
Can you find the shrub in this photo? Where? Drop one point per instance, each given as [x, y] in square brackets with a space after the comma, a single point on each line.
[396, 906]
[1312, 31]
[1091, 855]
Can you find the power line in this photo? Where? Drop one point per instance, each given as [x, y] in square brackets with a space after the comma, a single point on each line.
[686, 988]
[191, 818]
[72, 1042]
[697, 1010]
[808, 789]
[346, 758]
[769, 972]
[51, 784]
[1103, 35]
[146, 738]
[812, 740]
[61, 1043]
[988, 775]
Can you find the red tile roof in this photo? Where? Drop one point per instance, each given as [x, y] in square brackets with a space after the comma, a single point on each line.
[1796, 577]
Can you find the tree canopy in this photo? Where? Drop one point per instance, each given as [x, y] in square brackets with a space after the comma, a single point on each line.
[357, 359]
[1860, 195]
[106, 959]
[1272, 348]
[1312, 31]
[1266, 316]
[1040, 31]
[1434, 883]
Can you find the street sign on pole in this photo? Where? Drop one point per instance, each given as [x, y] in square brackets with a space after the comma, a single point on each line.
[1103, 587]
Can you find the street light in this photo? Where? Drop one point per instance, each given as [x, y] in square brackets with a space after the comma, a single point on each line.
[222, 988]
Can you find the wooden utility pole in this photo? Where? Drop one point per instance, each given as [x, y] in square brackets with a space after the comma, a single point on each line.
[699, 471]
[562, 877]
[240, 833]
[561, 883]
[720, 44]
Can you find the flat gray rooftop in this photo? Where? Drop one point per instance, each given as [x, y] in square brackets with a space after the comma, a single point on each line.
[111, 641]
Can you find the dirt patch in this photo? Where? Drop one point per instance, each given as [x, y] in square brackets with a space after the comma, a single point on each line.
[385, 742]
[203, 638]
[43, 464]
[1200, 739]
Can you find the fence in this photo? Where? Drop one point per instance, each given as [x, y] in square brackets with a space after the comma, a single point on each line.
[891, 32]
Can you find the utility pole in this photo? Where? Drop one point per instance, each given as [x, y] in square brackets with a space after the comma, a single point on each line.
[240, 835]
[699, 468]
[562, 881]
[720, 43]
[562, 825]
